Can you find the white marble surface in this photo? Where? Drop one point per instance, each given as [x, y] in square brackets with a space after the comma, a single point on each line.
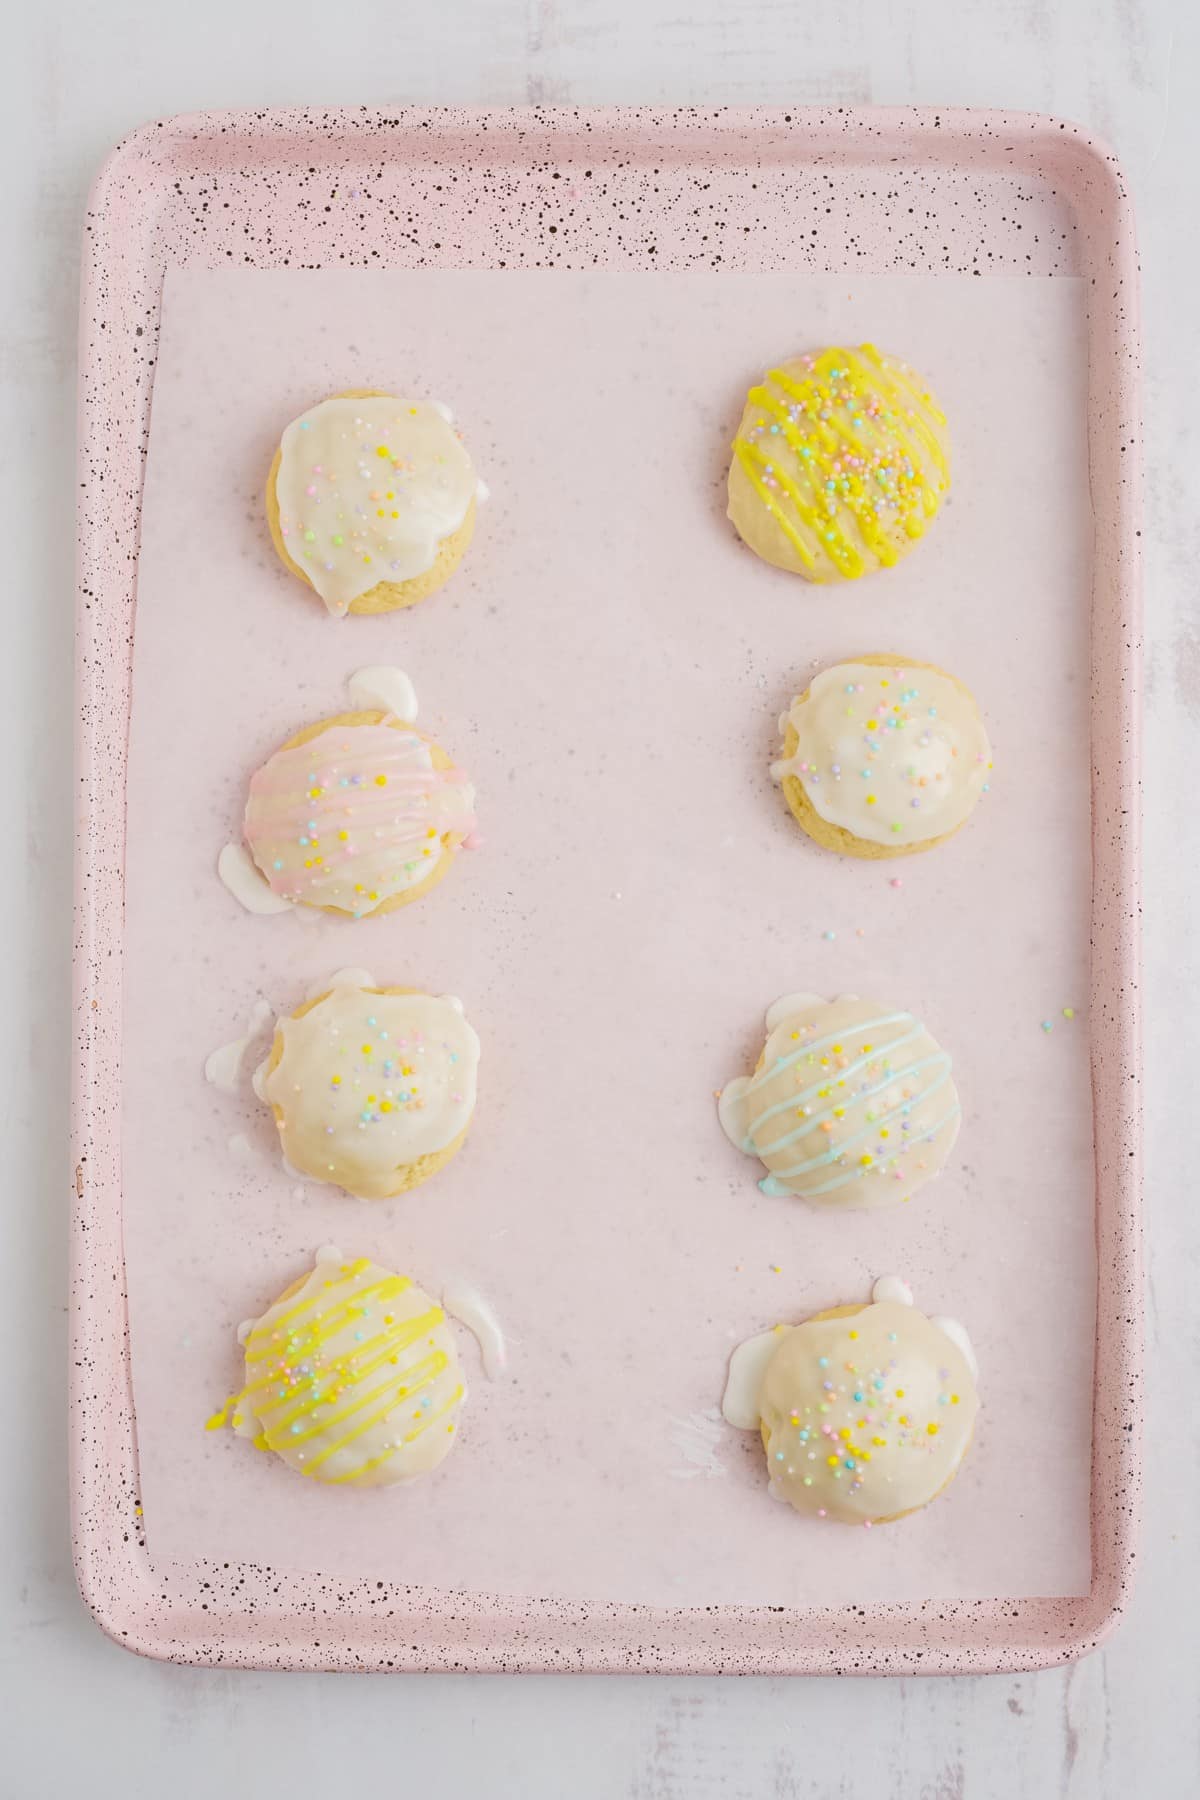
[83, 1715]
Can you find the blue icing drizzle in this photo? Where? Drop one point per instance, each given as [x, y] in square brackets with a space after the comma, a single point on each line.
[785, 1062]
[827, 1187]
[873, 1126]
[862, 1062]
[876, 1057]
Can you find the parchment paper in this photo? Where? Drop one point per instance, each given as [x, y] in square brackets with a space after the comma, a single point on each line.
[609, 664]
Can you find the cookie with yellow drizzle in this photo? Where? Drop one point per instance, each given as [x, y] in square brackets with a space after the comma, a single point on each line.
[352, 1377]
[840, 462]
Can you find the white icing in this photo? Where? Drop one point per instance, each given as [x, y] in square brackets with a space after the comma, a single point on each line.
[788, 1005]
[743, 1384]
[342, 978]
[852, 1104]
[245, 1424]
[246, 883]
[470, 1309]
[385, 688]
[696, 1437]
[896, 756]
[958, 1336]
[258, 1081]
[729, 1109]
[369, 1083]
[241, 1147]
[892, 1287]
[223, 1068]
[482, 491]
[368, 489]
[442, 411]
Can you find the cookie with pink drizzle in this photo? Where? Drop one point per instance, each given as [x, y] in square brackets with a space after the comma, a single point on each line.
[360, 813]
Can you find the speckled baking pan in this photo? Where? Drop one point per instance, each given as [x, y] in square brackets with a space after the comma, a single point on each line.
[853, 195]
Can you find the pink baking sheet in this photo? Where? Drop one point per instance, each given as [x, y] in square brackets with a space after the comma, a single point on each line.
[609, 664]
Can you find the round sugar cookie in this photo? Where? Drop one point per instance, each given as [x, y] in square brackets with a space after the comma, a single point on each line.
[840, 463]
[372, 1088]
[351, 1377]
[883, 756]
[851, 1104]
[371, 500]
[358, 814]
[865, 1412]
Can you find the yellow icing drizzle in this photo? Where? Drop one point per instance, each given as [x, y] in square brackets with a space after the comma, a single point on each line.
[349, 1271]
[845, 452]
[751, 459]
[431, 1419]
[314, 1395]
[332, 1319]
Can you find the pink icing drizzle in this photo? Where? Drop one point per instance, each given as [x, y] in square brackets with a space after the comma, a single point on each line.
[354, 816]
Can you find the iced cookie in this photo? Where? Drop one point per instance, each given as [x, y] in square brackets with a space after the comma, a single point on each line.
[883, 757]
[371, 500]
[840, 462]
[360, 813]
[850, 1104]
[866, 1412]
[352, 1376]
[372, 1088]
